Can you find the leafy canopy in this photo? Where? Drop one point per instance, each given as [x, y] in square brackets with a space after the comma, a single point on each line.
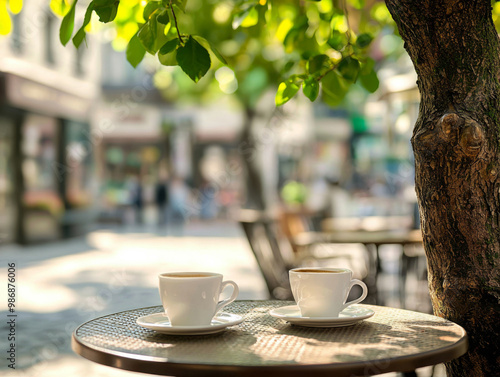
[319, 47]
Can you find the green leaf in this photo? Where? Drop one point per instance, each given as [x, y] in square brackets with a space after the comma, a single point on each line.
[67, 25]
[247, 18]
[334, 88]
[170, 46]
[135, 51]
[106, 12]
[286, 91]
[103, 3]
[151, 34]
[105, 9]
[325, 16]
[209, 46]
[367, 66]
[364, 40]
[349, 68]
[370, 81]
[161, 38]
[80, 34]
[163, 17]
[263, 15]
[317, 63]
[147, 35]
[311, 89]
[168, 59]
[300, 26]
[79, 37]
[150, 8]
[287, 67]
[337, 40]
[194, 59]
[308, 46]
[181, 4]
[153, 26]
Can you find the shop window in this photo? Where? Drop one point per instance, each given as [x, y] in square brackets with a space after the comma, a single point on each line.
[49, 39]
[42, 203]
[79, 68]
[8, 209]
[79, 149]
[16, 37]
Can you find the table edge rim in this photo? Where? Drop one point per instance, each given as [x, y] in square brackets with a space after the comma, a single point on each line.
[159, 366]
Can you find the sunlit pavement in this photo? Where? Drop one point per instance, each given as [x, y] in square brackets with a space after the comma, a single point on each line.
[63, 284]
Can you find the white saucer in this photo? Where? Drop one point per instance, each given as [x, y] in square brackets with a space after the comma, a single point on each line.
[160, 322]
[349, 316]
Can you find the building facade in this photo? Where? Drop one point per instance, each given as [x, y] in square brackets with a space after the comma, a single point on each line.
[47, 93]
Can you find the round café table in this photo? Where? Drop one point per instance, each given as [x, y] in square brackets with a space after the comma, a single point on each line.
[391, 340]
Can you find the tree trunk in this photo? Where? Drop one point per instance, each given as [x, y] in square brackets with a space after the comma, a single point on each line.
[248, 150]
[456, 53]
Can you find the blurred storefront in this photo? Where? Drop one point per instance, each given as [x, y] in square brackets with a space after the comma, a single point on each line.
[216, 160]
[145, 140]
[45, 162]
[8, 208]
[132, 151]
[358, 160]
[46, 95]
[365, 153]
[152, 143]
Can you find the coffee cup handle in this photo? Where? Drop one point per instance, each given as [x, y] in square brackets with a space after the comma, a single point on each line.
[229, 300]
[363, 295]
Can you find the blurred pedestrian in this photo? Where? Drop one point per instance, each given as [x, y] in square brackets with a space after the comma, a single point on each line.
[161, 200]
[178, 204]
[208, 191]
[136, 199]
[318, 202]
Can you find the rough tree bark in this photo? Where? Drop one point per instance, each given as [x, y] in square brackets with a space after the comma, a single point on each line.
[456, 53]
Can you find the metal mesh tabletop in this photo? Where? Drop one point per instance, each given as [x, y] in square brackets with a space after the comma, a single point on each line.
[391, 340]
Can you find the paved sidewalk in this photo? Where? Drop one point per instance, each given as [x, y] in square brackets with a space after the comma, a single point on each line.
[61, 285]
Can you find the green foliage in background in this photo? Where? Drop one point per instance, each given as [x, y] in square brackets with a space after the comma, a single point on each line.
[318, 47]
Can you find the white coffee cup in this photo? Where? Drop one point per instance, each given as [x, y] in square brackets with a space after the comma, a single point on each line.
[322, 292]
[192, 298]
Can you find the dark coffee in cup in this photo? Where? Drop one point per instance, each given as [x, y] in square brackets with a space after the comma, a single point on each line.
[183, 275]
[305, 270]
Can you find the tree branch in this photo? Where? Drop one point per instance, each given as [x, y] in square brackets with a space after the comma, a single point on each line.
[175, 22]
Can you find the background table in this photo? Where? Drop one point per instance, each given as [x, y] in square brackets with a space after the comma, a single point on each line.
[391, 340]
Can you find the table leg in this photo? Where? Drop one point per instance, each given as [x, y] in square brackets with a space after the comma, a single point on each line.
[373, 270]
[402, 278]
[378, 270]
